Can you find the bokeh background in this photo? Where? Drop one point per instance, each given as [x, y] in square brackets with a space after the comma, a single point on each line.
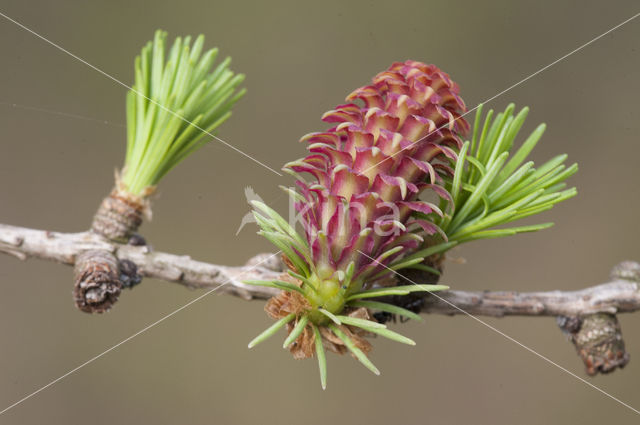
[301, 59]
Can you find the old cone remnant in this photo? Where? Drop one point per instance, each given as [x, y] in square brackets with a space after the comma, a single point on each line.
[97, 281]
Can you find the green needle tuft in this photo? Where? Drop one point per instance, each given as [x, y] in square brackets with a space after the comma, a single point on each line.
[489, 190]
[175, 102]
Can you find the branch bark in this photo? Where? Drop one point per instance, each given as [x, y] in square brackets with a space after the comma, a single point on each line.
[64, 248]
[620, 295]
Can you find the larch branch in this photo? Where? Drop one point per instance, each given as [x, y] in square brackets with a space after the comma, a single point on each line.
[619, 295]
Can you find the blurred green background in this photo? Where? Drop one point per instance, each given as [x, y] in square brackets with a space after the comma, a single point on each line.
[301, 59]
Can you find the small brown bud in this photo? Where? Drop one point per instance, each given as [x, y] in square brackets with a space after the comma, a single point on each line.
[598, 341]
[129, 275]
[97, 281]
[627, 270]
[136, 240]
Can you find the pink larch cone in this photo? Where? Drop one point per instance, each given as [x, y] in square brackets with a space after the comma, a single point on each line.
[370, 168]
